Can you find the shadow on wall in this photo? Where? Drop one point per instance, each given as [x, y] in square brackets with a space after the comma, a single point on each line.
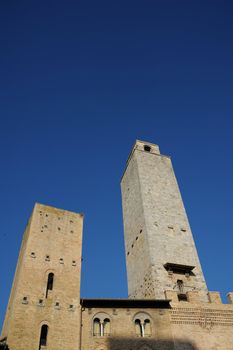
[147, 344]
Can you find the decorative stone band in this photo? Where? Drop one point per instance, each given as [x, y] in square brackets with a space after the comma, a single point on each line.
[205, 318]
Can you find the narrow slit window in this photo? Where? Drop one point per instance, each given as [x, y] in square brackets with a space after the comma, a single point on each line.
[43, 336]
[49, 283]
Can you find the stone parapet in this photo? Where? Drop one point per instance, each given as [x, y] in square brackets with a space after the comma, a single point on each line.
[230, 297]
[194, 297]
[214, 297]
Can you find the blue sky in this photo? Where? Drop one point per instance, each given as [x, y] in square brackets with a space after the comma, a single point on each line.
[80, 81]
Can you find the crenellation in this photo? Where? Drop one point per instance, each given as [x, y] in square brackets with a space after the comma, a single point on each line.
[214, 297]
[230, 297]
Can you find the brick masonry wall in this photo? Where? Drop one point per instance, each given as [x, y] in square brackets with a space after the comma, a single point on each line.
[52, 244]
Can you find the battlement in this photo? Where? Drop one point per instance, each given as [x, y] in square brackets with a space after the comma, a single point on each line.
[194, 297]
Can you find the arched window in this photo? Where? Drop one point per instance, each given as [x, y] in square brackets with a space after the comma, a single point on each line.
[106, 326]
[96, 327]
[43, 336]
[49, 283]
[101, 325]
[147, 328]
[138, 327]
[142, 325]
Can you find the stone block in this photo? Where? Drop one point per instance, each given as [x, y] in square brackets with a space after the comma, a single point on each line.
[214, 297]
[193, 297]
[171, 295]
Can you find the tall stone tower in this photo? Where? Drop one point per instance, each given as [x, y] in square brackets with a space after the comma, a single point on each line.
[44, 305]
[160, 251]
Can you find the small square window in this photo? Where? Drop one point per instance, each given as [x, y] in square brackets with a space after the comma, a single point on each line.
[71, 307]
[182, 297]
[147, 148]
[33, 255]
[25, 300]
[61, 261]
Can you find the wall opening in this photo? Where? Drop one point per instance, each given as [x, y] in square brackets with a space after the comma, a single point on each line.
[181, 292]
[147, 148]
[106, 326]
[142, 325]
[180, 285]
[96, 327]
[49, 283]
[43, 336]
[101, 326]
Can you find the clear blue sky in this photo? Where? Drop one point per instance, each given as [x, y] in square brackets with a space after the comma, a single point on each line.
[80, 81]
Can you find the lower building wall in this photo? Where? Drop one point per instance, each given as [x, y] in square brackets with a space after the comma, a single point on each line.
[123, 333]
[185, 326]
[207, 327]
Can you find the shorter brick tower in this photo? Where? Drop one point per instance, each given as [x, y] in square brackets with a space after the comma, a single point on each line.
[44, 305]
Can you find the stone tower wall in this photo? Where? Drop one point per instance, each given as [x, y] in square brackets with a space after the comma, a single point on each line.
[52, 244]
[156, 227]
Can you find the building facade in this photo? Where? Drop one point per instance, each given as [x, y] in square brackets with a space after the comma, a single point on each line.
[169, 306]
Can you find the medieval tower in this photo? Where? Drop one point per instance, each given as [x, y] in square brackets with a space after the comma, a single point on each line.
[46, 287]
[169, 306]
[160, 251]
